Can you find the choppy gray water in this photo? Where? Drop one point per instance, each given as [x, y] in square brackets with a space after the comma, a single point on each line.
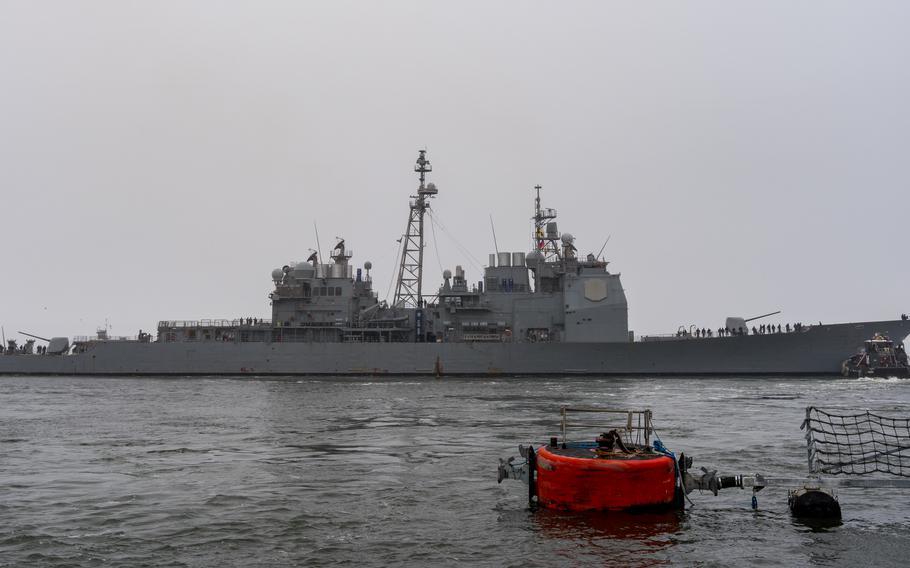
[262, 472]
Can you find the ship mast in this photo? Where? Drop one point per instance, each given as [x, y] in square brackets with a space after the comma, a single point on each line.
[408, 291]
[545, 243]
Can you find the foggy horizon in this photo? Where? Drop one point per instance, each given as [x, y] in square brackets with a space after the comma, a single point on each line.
[158, 160]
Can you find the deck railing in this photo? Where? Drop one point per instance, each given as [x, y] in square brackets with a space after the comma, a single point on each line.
[212, 323]
[632, 421]
[87, 338]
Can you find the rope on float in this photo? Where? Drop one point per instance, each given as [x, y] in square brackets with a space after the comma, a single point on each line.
[660, 448]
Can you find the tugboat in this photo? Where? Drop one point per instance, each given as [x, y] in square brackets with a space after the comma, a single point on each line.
[614, 472]
[878, 357]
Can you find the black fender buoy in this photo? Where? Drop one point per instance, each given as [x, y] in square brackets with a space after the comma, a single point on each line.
[818, 504]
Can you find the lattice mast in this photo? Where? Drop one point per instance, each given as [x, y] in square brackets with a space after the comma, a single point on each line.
[545, 242]
[408, 291]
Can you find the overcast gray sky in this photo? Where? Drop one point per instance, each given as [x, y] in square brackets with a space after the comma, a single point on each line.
[158, 159]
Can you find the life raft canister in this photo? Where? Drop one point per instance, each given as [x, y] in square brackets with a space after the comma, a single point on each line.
[604, 483]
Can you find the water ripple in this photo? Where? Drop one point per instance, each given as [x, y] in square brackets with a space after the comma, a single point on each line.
[328, 472]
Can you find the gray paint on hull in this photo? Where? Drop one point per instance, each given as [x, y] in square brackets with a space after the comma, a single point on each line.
[818, 350]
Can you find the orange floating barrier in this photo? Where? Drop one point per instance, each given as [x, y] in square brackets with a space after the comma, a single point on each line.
[581, 479]
[619, 471]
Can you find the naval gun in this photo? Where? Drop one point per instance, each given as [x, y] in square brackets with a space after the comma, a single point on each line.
[55, 345]
[35, 336]
[737, 323]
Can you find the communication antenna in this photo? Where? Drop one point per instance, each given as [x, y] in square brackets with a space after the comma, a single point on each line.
[408, 291]
[3, 332]
[318, 246]
[603, 247]
[493, 228]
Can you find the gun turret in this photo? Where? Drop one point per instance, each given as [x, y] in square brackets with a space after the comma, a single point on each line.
[738, 324]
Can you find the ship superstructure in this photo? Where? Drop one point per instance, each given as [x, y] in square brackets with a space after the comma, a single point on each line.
[546, 295]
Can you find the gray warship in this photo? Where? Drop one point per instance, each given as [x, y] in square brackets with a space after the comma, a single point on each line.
[545, 312]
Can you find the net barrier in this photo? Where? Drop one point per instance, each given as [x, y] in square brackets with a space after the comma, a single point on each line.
[857, 444]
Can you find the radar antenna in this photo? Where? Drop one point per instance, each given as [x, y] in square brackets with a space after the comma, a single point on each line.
[408, 291]
[545, 241]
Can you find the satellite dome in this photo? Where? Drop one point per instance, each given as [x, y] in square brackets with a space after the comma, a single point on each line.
[277, 274]
[368, 265]
[446, 274]
[533, 256]
[567, 238]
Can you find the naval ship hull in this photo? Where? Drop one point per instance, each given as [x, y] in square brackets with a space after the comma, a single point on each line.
[818, 350]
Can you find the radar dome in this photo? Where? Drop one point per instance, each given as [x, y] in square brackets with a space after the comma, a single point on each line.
[446, 274]
[567, 238]
[533, 256]
[277, 274]
[368, 265]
